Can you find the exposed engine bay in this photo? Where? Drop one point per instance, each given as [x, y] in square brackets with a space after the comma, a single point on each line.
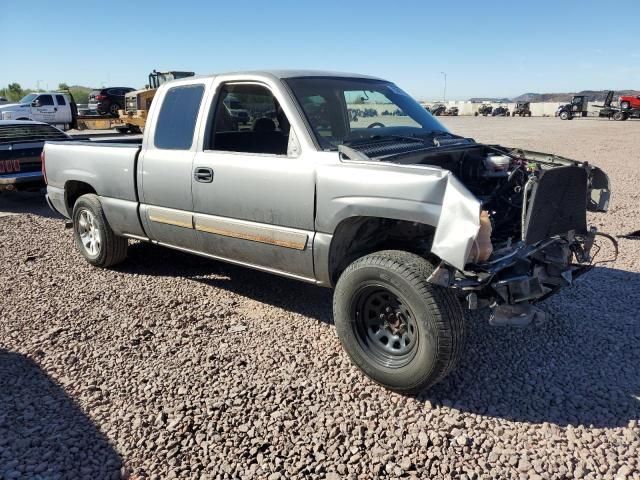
[533, 236]
[505, 180]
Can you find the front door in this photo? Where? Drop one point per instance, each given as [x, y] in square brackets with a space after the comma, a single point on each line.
[43, 109]
[164, 169]
[253, 193]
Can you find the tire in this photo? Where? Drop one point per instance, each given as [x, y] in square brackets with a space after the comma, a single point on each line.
[113, 109]
[476, 114]
[625, 105]
[427, 319]
[565, 115]
[93, 235]
[122, 129]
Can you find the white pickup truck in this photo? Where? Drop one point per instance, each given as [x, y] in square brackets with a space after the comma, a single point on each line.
[55, 108]
[407, 221]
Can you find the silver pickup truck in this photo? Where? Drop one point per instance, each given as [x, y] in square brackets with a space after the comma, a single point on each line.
[409, 223]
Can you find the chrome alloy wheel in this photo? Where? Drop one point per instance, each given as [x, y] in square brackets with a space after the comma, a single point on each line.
[89, 233]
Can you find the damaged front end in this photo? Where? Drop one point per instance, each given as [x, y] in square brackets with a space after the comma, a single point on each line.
[550, 247]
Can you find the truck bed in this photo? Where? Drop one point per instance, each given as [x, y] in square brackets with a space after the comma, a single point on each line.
[106, 167]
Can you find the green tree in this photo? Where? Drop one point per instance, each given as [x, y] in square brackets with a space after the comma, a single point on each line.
[80, 94]
[63, 86]
[14, 92]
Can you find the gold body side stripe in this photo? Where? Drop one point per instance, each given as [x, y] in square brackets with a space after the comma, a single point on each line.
[255, 232]
[280, 236]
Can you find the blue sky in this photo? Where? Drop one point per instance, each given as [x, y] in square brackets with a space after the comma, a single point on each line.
[487, 48]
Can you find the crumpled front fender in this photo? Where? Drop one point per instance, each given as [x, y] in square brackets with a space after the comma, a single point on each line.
[458, 224]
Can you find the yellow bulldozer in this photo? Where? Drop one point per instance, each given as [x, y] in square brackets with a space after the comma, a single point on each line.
[138, 102]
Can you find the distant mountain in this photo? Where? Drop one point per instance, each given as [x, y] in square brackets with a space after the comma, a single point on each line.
[592, 96]
[489, 99]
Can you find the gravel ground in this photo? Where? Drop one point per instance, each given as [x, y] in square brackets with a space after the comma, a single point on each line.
[172, 366]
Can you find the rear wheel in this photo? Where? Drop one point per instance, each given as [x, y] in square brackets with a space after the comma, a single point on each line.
[113, 109]
[400, 330]
[619, 116]
[93, 235]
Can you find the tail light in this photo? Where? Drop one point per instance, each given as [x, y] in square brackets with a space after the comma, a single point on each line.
[101, 97]
[44, 168]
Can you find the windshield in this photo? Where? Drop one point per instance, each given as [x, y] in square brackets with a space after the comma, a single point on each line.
[347, 110]
[28, 98]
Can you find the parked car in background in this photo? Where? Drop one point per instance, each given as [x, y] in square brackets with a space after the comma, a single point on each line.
[628, 102]
[21, 144]
[55, 108]
[407, 221]
[3, 100]
[484, 110]
[500, 111]
[237, 110]
[108, 100]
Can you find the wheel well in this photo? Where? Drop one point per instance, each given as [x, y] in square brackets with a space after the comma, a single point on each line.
[73, 190]
[356, 237]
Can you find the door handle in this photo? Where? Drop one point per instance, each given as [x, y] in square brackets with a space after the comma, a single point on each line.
[203, 175]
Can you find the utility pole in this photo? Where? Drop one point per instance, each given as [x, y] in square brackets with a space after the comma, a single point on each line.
[444, 93]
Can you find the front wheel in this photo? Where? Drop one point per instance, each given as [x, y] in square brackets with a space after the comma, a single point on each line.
[93, 235]
[400, 330]
[565, 115]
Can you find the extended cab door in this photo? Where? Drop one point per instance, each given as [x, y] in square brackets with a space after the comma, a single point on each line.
[43, 109]
[165, 164]
[63, 110]
[253, 191]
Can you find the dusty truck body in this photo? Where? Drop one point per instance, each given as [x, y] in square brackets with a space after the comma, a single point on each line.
[408, 222]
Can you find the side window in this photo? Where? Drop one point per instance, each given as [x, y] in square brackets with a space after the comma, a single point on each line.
[177, 118]
[60, 100]
[45, 100]
[249, 119]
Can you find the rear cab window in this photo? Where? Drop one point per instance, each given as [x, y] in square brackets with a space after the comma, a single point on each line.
[60, 99]
[176, 122]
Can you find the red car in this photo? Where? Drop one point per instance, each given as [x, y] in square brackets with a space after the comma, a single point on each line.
[629, 102]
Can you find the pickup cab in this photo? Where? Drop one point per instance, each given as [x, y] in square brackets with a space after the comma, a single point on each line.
[54, 108]
[408, 222]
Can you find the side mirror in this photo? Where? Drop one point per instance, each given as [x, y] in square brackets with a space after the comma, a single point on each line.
[35, 103]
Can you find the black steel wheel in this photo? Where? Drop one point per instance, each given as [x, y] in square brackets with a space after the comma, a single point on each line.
[399, 329]
[384, 324]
